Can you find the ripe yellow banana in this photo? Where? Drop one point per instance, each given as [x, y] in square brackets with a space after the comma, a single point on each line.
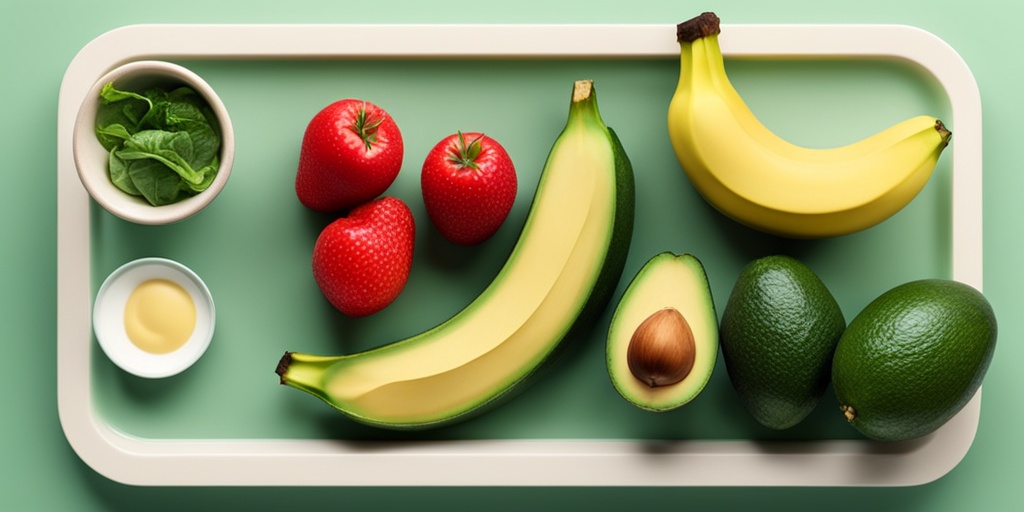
[759, 179]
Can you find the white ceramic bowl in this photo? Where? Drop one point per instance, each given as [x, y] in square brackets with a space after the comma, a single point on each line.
[109, 311]
[91, 158]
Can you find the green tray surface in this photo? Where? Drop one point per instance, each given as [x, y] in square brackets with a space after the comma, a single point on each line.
[253, 245]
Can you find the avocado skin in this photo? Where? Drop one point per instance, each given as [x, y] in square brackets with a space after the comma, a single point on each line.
[778, 333]
[913, 358]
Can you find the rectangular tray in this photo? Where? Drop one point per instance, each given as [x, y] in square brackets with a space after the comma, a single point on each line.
[136, 460]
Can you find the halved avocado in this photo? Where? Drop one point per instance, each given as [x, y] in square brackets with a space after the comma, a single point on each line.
[663, 340]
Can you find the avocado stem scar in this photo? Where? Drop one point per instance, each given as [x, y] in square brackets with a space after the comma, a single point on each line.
[849, 412]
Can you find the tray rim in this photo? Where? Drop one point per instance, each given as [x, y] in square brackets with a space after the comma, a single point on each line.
[132, 460]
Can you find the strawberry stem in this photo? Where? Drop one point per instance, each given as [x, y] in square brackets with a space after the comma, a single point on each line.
[464, 154]
[366, 127]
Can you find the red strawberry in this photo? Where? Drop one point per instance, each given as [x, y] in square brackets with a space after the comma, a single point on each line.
[351, 153]
[469, 185]
[361, 262]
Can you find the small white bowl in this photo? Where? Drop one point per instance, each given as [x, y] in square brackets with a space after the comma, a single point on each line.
[91, 159]
[109, 310]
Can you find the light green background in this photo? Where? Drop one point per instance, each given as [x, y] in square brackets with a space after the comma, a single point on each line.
[41, 472]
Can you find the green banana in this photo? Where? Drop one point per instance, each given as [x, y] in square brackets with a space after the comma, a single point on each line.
[559, 276]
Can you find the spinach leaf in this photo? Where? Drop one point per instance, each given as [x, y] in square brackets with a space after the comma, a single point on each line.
[206, 175]
[112, 136]
[121, 108]
[110, 95]
[158, 184]
[164, 145]
[173, 149]
[119, 175]
[186, 117]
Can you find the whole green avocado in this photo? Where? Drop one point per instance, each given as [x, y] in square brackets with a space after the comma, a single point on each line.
[913, 358]
[778, 332]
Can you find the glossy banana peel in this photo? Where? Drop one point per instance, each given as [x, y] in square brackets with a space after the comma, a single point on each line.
[759, 179]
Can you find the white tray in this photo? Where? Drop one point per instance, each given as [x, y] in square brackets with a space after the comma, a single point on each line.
[140, 461]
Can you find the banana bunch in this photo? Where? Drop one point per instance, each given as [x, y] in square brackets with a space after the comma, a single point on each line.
[761, 180]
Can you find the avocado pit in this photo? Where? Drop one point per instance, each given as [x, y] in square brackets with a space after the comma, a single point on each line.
[662, 350]
[663, 338]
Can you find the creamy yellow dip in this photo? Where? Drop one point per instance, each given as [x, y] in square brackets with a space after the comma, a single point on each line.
[159, 316]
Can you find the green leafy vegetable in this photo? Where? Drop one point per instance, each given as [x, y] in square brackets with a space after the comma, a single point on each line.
[164, 145]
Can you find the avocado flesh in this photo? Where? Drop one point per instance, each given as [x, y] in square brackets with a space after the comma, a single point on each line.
[666, 281]
[574, 239]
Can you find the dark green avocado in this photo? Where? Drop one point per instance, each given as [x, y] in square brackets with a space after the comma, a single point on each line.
[779, 330]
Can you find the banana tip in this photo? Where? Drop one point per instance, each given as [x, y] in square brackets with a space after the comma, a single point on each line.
[943, 132]
[282, 366]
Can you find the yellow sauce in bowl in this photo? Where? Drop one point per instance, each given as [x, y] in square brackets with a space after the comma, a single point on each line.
[159, 316]
[154, 317]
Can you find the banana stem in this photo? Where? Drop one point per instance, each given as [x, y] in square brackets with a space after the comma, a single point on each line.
[282, 366]
[583, 108]
[707, 24]
[304, 371]
[581, 90]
